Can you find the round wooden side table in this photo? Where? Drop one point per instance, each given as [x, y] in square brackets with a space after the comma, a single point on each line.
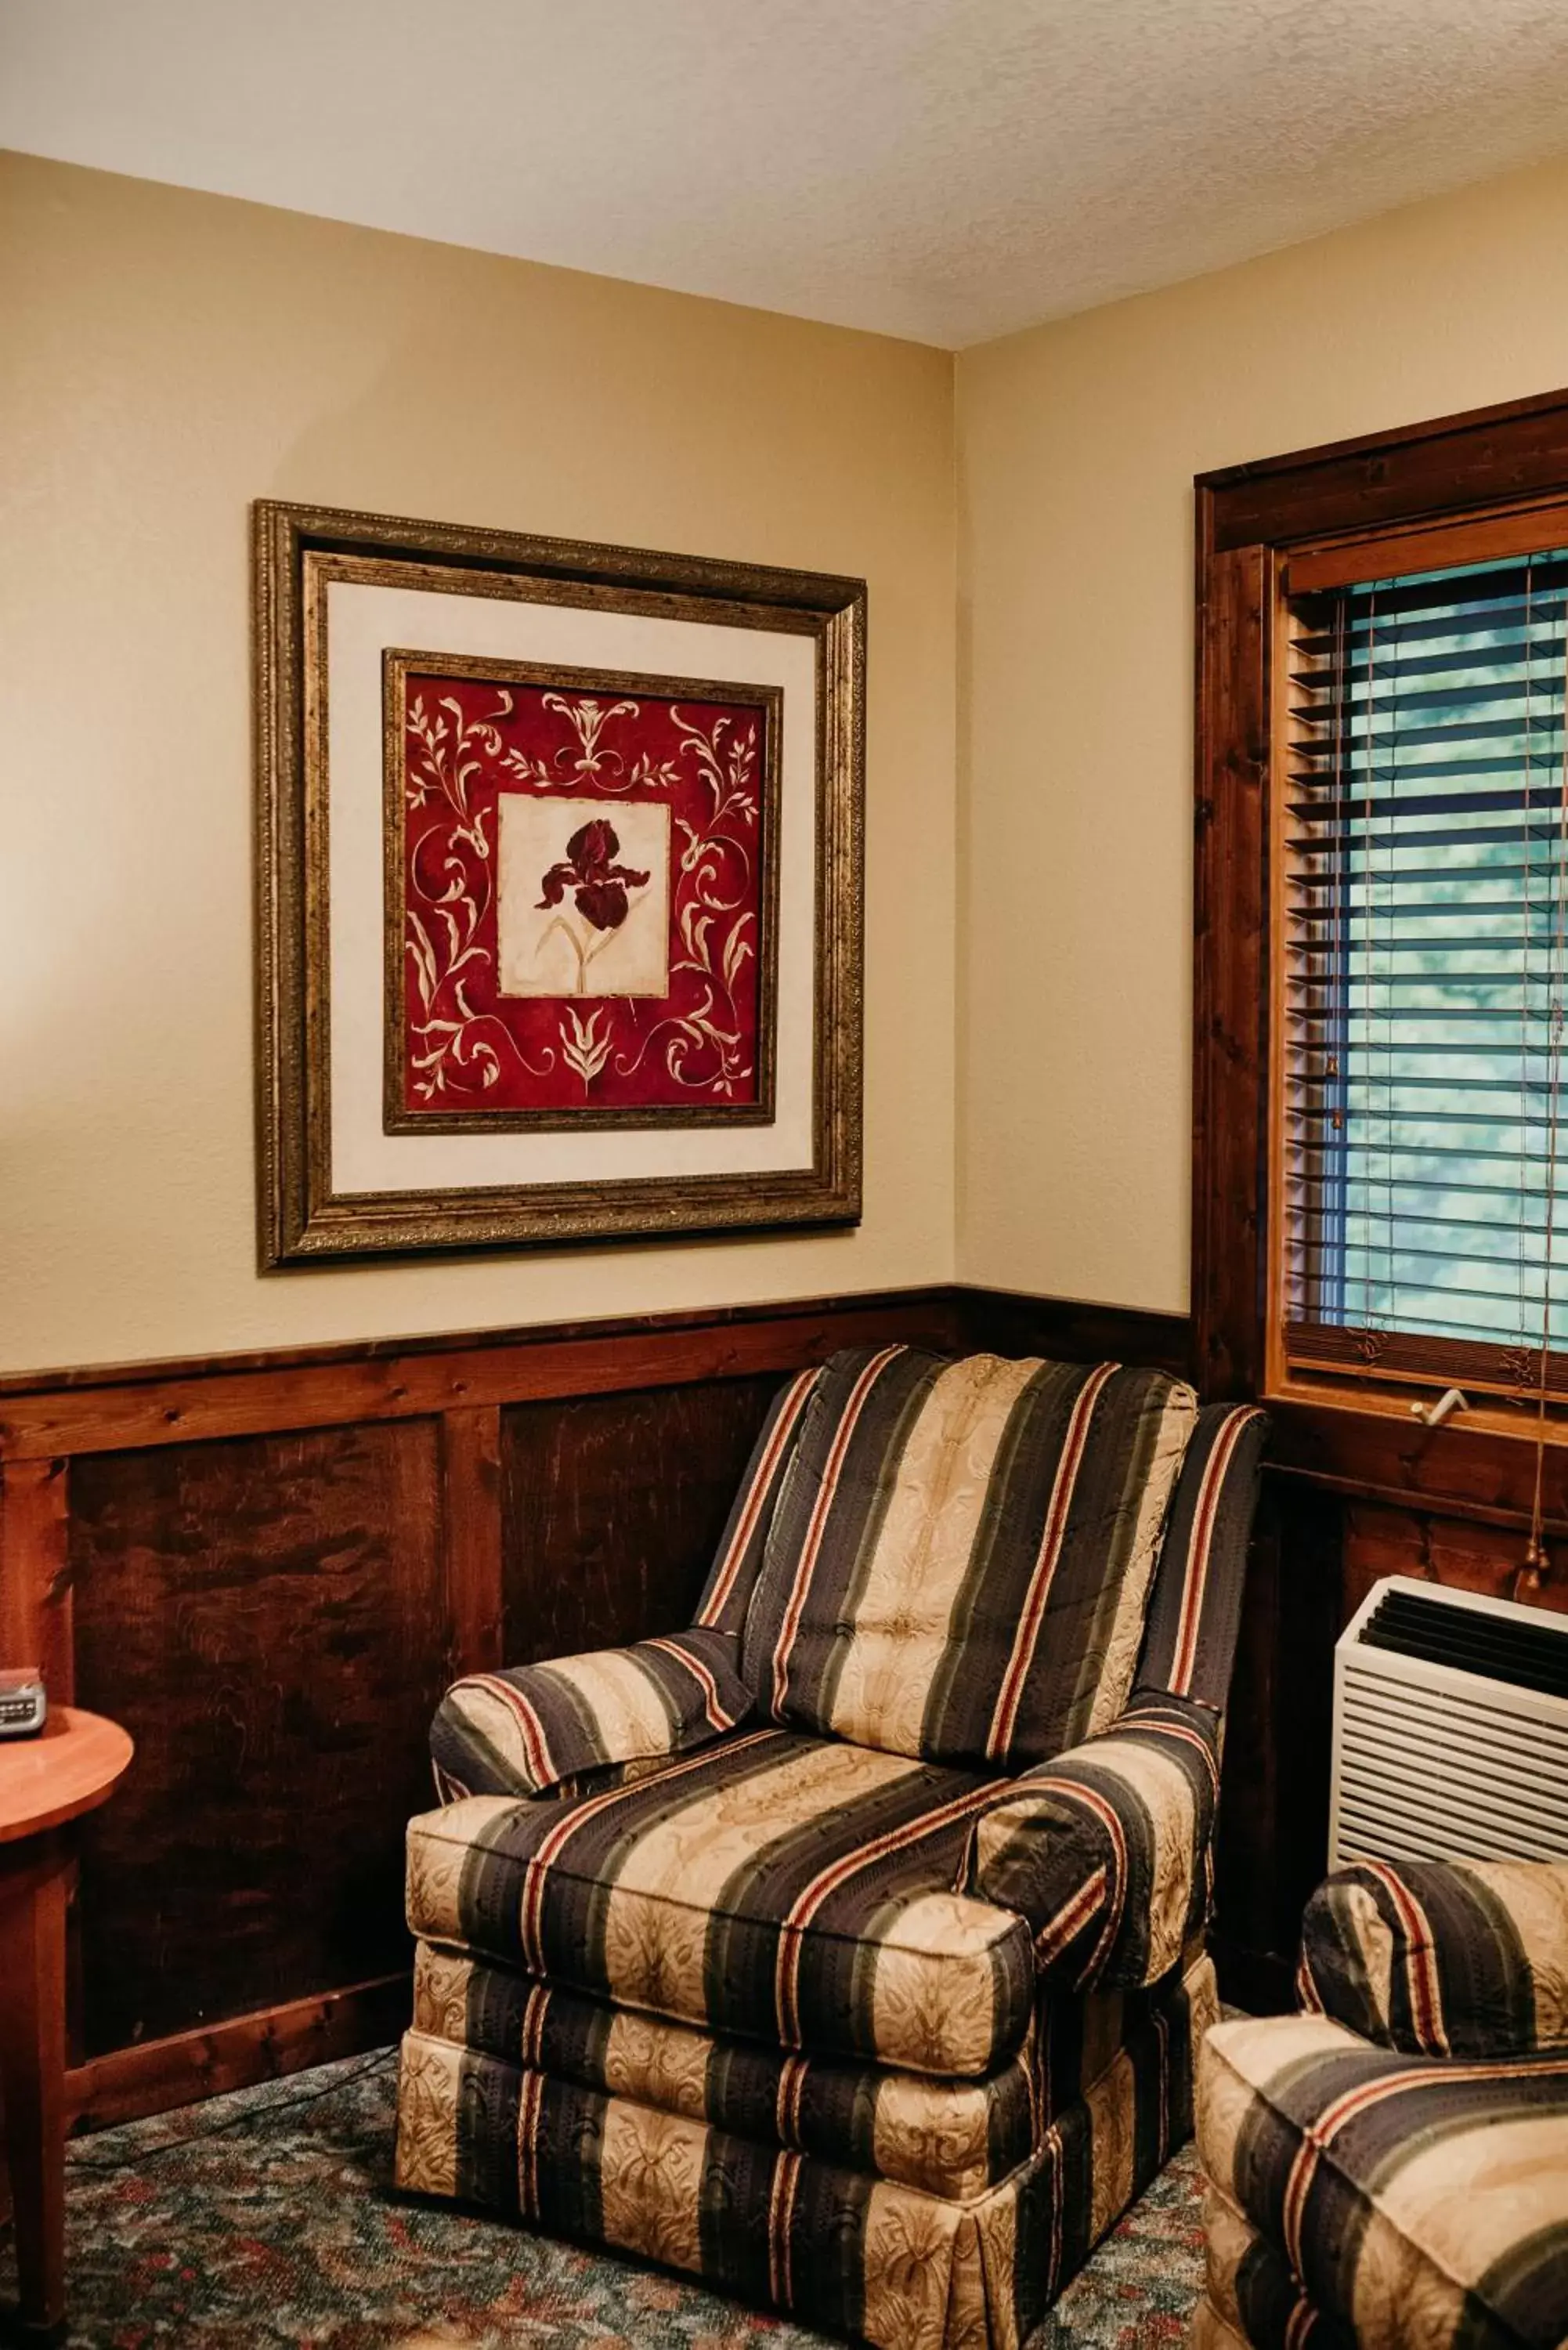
[46, 1782]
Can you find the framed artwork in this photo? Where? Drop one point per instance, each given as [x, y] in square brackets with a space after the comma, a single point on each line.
[559, 890]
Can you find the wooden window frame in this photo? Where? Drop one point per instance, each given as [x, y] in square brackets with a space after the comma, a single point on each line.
[1299, 519]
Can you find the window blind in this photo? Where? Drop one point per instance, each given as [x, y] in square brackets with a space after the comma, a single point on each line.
[1425, 863]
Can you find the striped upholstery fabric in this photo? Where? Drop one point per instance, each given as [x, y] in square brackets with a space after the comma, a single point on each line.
[543, 1728]
[1250, 2295]
[951, 2137]
[835, 2245]
[1421, 2202]
[832, 2007]
[1104, 1852]
[772, 1887]
[960, 1552]
[1196, 1610]
[1442, 1958]
[727, 1594]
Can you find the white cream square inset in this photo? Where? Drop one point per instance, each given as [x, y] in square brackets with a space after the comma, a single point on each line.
[571, 949]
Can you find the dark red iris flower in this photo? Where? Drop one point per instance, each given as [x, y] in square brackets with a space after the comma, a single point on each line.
[601, 885]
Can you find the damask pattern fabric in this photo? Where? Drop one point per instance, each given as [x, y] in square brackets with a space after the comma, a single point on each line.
[543, 1728]
[834, 2246]
[954, 2138]
[732, 1998]
[1104, 1852]
[1421, 2202]
[1442, 1958]
[961, 1553]
[777, 1887]
[1195, 1612]
[1250, 2295]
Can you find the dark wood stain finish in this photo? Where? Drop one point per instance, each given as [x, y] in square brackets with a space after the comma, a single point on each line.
[1070, 1330]
[266, 1617]
[1517, 450]
[614, 1507]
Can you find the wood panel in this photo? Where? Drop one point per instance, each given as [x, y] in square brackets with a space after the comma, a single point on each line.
[1517, 450]
[1070, 1330]
[127, 1406]
[268, 1616]
[1231, 965]
[614, 1508]
[1272, 1833]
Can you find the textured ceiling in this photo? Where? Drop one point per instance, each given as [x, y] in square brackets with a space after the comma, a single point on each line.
[947, 170]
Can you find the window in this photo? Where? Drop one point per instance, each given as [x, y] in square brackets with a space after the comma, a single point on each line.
[1379, 1198]
[1422, 863]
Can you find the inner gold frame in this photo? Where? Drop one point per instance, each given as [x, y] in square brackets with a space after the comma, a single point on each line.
[767, 700]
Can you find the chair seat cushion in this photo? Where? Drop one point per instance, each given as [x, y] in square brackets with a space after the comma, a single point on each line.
[1420, 2201]
[772, 1887]
[959, 1557]
[953, 2138]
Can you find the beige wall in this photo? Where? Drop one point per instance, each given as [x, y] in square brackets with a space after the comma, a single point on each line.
[1078, 447]
[168, 357]
[164, 358]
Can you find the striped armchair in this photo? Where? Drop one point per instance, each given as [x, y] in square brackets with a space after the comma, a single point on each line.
[1390, 2167]
[846, 1949]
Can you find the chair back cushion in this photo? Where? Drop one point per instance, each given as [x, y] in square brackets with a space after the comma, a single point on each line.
[958, 1561]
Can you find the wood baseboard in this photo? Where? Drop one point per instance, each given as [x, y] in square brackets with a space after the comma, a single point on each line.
[131, 2082]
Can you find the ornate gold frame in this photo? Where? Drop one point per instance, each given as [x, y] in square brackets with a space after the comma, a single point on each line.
[303, 1219]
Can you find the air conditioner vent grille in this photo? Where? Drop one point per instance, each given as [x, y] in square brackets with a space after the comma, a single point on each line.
[1526, 1655]
[1450, 1728]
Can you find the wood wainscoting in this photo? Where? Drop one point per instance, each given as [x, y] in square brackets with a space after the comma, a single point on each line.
[269, 1566]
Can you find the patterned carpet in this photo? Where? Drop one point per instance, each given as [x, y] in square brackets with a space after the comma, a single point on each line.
[267, 2218]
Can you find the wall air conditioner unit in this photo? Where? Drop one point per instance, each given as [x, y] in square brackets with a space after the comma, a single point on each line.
[1450, 1728]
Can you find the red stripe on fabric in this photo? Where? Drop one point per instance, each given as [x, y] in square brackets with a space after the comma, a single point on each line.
[1071, 1918]
[781, 2216]
[1317, 2136]
[528, 2103]
[812, 1542]
[1110, 1820]
[535, 1745]
[718, 1719]
[1420, 1958]
[790, 1411]
[1014, 1679]
[1196, 1581]
[793, 1927]
[537, 1869]
[1153, 1725]
[531, 2037]
[787, 2105]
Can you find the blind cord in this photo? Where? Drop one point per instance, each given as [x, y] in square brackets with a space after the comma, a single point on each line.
[1536, 1564]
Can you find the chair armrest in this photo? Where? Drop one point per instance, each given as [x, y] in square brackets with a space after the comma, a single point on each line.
[1442, 1958]
[538, 1729]
[1104, 1852]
